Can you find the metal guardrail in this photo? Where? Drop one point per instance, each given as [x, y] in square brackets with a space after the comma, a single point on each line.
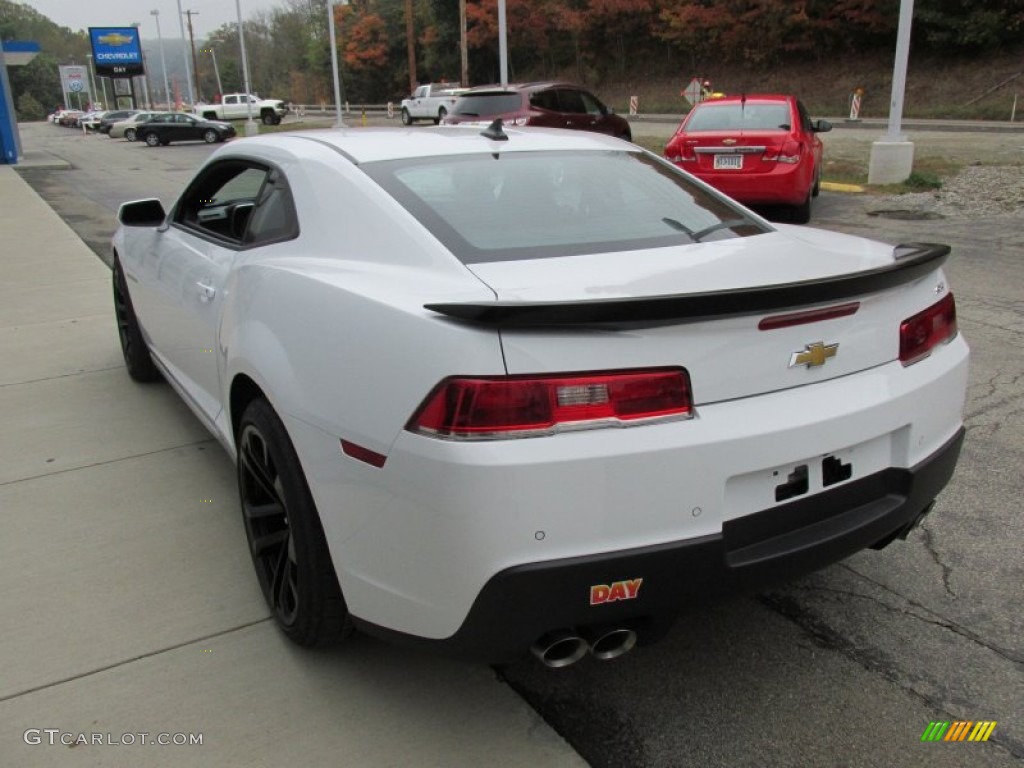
[323, 108]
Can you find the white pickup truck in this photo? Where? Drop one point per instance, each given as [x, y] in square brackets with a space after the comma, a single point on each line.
[234, 106]
[430, 102]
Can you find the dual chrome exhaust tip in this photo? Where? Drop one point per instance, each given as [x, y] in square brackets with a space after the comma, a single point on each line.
[563, 647]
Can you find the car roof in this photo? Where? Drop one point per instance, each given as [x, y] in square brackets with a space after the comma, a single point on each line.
[366, 145]
[736, 98]
[519, 87]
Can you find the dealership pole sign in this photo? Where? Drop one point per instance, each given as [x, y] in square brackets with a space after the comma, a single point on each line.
[75, 79]
[116, 51]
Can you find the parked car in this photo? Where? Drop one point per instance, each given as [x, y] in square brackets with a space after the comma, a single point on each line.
[547, 105]
[512, 388]
[757, 148]
[90, 120]
[115, 116]
[127, 129]
[69, 117]
[164, 128]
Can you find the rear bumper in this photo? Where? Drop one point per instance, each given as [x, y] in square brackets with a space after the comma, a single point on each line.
[519, 604]
[782, 185]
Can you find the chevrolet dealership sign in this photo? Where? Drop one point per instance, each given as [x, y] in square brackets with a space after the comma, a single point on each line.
[116, 51]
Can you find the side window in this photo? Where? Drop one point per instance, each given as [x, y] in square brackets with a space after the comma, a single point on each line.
[219, 203]
[570, 101]
[591, 104]
[273, 216]
[805, 118]
[545, 100]
[230, 99]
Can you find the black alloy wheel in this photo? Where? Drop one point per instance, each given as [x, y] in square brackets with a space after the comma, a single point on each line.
[152, 140]
[286, 540]
[137, 359]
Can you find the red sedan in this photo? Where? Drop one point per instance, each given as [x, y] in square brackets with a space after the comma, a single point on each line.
[757, 148]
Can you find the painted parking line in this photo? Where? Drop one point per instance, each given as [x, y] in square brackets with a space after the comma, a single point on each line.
[834, 186]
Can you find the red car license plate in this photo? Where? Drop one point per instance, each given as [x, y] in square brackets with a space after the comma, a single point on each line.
[728, 162]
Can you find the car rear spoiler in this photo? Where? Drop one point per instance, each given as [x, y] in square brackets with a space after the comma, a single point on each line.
[910, 262]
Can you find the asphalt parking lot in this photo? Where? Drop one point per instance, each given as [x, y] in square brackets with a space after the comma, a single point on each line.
[135, 607]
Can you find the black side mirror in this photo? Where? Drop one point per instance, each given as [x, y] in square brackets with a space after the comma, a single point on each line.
[821, 126]
[142, 213]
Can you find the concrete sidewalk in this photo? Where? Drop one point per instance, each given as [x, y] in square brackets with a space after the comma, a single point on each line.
[129, 602]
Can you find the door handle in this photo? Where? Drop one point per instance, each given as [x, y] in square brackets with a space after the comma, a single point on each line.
[206, 292]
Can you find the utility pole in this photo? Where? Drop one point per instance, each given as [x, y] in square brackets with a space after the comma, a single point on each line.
[464, 79]
[195, 64]
[410, 44]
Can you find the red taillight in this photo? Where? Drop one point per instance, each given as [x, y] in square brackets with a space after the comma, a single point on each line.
[789, 152]
[920, 334]
[529, 406]
[678, 151]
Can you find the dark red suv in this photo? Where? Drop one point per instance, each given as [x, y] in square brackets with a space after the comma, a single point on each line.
[549, 105]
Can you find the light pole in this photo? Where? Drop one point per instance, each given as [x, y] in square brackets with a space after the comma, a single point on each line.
[892, 156]
[250, 127]
[163, 61]
[339, 123]
[502, 44]
[184, 56]
[92, 80]
[145, 74]
[216, 70]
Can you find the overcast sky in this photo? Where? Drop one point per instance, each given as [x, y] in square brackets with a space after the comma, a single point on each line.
[82, 14]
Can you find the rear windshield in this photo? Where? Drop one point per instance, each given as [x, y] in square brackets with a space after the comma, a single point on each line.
[739, 117]
[530, 205]
[480, 105]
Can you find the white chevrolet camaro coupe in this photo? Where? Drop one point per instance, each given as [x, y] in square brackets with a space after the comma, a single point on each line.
[510, 389]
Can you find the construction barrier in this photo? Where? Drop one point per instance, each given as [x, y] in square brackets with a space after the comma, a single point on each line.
[634, 105]
[855, 99]
[391, 110]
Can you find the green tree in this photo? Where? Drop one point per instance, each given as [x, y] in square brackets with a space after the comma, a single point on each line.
[29, 109]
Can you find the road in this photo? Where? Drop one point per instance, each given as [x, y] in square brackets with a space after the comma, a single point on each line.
[845, 667]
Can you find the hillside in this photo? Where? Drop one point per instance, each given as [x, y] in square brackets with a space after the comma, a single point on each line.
[936, 88]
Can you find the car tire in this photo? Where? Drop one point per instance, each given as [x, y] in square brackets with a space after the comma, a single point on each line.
[801, 214]
[286, 540]
[442, 113]
[626, 136]
[210, 136]
[406, 117]
[269, 118]
[137, 359]
[129, 134]
[152, 140]
[816, 189]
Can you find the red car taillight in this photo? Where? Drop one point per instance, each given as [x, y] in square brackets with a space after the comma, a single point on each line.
[677, 151]
[920, 334]
[489, 408]
[790, 152]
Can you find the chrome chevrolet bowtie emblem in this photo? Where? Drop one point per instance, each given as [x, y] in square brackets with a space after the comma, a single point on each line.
[813, 355]
[730, 142]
